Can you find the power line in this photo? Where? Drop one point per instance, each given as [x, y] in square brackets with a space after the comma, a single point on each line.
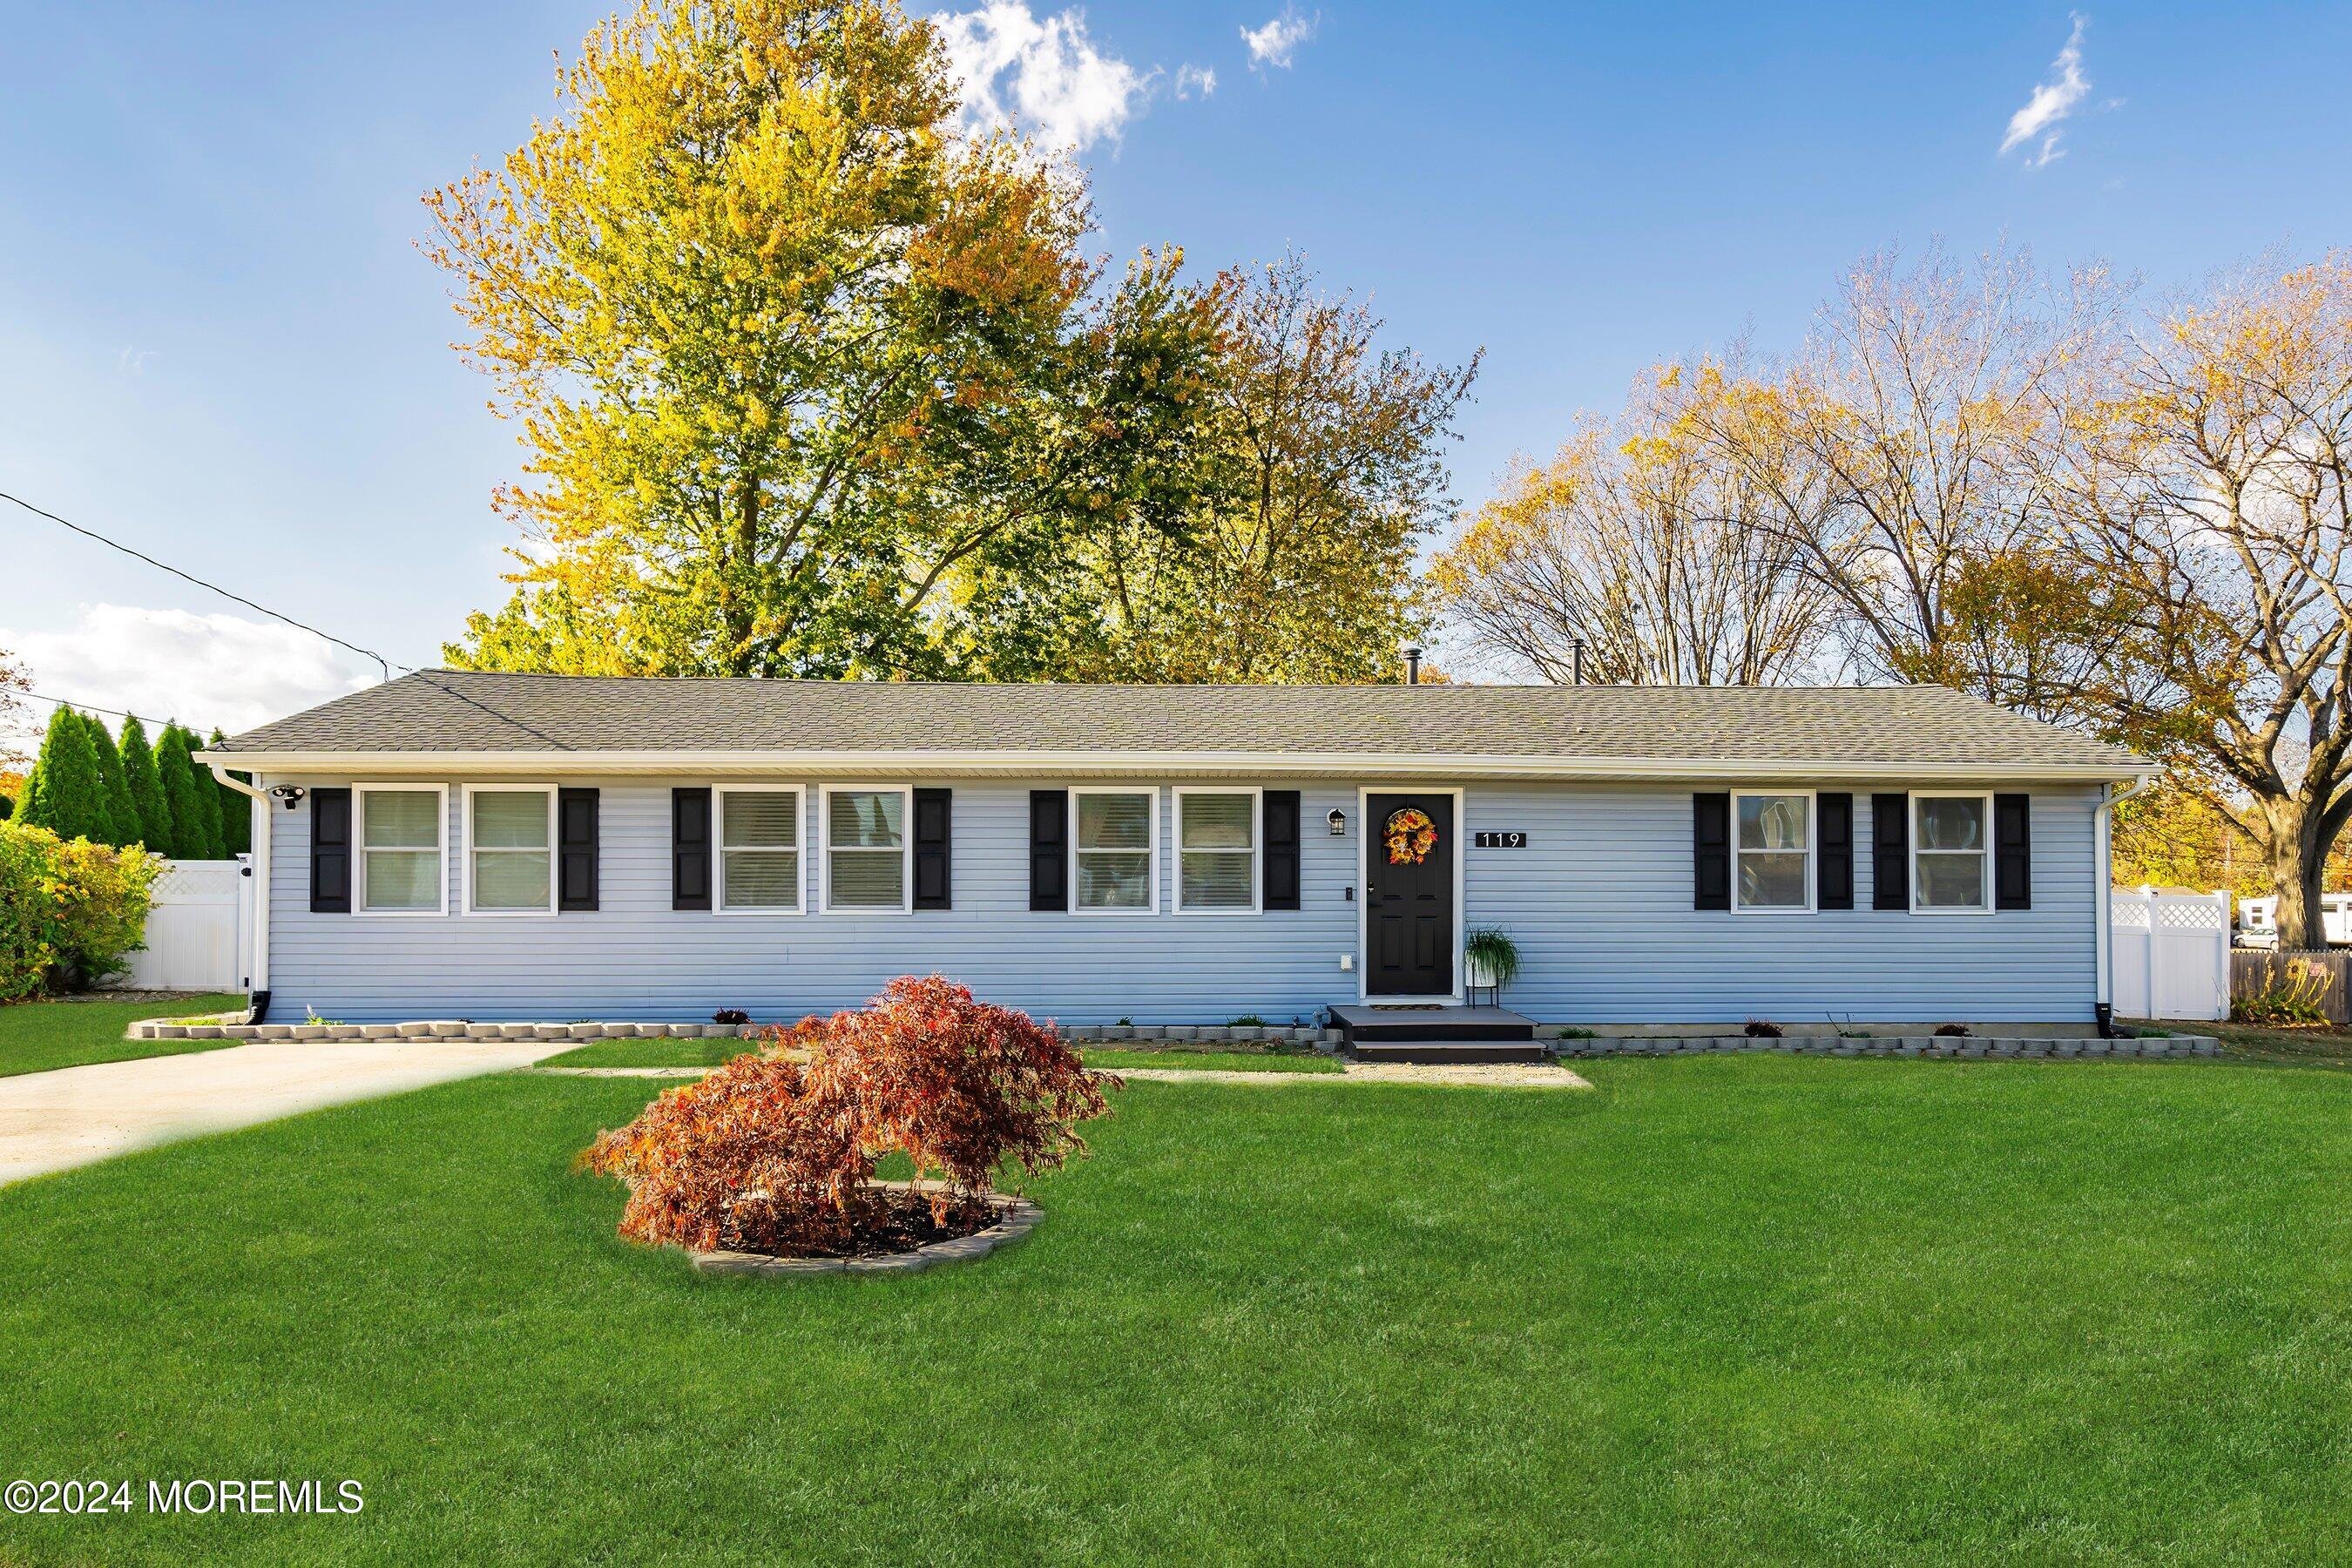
[94, 708]
[199, 582]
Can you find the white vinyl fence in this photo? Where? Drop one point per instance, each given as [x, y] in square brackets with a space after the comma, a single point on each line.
[2171, 953]
[198, 929]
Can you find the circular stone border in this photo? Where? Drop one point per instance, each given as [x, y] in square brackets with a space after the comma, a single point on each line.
[1016, 1217]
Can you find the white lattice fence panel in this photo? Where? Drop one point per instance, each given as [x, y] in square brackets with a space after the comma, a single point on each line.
[2170, 954]
[197, 929]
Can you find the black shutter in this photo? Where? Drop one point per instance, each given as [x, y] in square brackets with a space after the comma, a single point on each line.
[934, 829]
[1279, 807]
[331, 851]
[1833, 819]
[576, 848]
[1049, 843]
[1890, 852]
[2012, 851]
[1710, 851]
[689, 849]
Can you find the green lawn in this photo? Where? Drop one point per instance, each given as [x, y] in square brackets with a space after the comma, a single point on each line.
[711, 1053]
[1119, 1060]
[1736, 1308]
[652, 1054]
[37, 1036]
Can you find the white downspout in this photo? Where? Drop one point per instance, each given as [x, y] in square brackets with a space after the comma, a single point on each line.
[2103, 891]
[257, 983]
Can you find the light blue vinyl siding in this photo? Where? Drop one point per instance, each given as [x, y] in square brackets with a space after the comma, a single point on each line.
[1599, 903]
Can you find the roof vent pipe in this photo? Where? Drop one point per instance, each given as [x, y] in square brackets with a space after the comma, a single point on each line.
[1412, 664]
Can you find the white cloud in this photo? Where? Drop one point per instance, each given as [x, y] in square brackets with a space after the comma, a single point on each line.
[2051, 102]
[1193, 81]
[133, 362]
[1279, 41]
[1044, 77]
[203, 670]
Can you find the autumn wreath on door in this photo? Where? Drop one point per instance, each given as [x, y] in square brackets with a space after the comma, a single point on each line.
[1409, 836]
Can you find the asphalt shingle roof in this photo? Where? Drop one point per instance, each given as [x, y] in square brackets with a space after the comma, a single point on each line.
[455, 711]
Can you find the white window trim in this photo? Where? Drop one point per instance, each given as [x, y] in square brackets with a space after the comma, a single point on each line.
[1812, 852]
[555, 862]
[1152, 849]
[1256, 851]
[360, 791]
[719, 795]
[1911, 836]
[906, 794]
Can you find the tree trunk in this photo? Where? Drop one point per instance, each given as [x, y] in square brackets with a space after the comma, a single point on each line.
[2299, 864]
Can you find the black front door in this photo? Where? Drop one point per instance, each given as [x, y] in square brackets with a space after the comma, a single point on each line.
[1409, 894]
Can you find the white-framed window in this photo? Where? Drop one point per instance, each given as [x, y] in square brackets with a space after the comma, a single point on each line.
[1218, 832]
[402, 833]
[1115, 851]
[866, 848]
[1772, 852]
[1951, 854]
[759, 832]
[510, 849]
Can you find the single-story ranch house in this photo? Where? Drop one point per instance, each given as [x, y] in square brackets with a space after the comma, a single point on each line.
[506, 847]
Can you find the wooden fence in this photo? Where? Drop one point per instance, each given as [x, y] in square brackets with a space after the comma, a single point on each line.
[2252, 972]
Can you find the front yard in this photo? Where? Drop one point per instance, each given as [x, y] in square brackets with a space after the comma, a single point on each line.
[36, 1037]
[1741, 1306]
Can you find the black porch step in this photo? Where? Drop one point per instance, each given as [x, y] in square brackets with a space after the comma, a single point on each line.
[1429, 1052]
[1363, 1025]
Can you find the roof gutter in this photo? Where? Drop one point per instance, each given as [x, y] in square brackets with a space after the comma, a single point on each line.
[257, 983]
[2102, 1005]
[1099, 763]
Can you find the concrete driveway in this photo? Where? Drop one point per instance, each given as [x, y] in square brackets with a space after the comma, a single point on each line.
[54, 1121]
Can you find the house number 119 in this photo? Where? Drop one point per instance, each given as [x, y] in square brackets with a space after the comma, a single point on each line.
[1489, 838]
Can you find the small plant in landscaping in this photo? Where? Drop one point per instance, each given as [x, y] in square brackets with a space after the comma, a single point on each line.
[1845, 1029]
[1246, 1021]
[2291, 1000]
[310, 1015]
[771, 1154]
[1763, 1029]
[1572, 1033]
[730, 1016]
[1954, 1031]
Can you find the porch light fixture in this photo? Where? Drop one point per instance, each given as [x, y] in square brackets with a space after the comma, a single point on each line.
[1339, 821]
[289, 794]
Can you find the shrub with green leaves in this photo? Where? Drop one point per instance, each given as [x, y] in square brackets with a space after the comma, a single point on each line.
[70, 911]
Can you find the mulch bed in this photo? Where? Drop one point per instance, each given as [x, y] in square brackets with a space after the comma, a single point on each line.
[892, 1221]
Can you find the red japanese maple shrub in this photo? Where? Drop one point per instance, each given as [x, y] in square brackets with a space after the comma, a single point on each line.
[771, 1155]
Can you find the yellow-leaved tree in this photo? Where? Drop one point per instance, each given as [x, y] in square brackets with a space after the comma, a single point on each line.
[788, 353]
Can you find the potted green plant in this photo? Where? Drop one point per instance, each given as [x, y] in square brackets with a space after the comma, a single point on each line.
[1494, 961]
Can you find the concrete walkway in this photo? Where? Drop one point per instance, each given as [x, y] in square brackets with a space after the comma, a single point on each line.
[73, 1115]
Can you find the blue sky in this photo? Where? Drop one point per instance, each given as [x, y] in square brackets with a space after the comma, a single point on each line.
[218, 342]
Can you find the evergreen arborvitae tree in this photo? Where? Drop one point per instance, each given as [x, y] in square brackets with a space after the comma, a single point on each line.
[184, 797]
[118, 816]
[68, 802]
[24, 808]
[146, 787]
[208, 811]
[235, 810]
